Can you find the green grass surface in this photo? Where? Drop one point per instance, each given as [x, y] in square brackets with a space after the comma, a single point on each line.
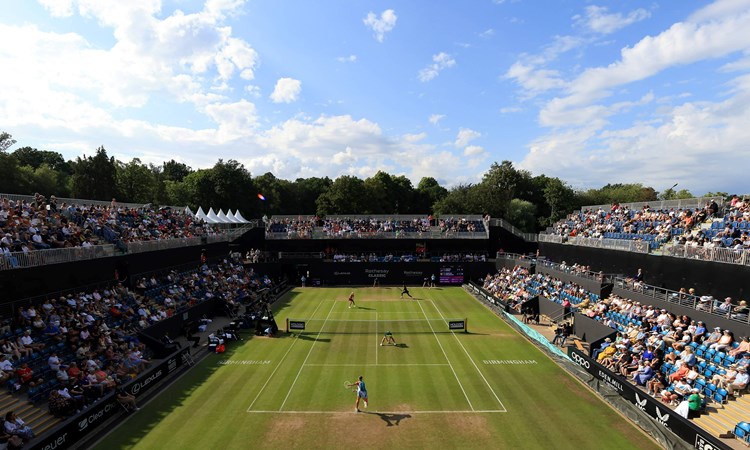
[433, 390]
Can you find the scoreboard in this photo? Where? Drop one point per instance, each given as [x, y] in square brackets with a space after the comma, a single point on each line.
[451, 275]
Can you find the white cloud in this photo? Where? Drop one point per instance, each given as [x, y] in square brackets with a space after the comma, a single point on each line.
[411, 138]
[597, 19]
[486, 34]
[436, 118]
[682, 43]
[58, 8]
[466, 135]
[381, 26]
[534, 80]
[350, 58]
[440, 62]
[286, 91]
[473, 150]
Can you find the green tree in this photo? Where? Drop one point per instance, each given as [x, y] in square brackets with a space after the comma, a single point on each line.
[502, 182]
[28, 156]
[561, 199]
[175, 171]
[430, 192]
[304, 193]
[345, 196]
[9, 176]
[95, 177]
[522, 214]
[135, 182]
[459, 200]
[6, 141]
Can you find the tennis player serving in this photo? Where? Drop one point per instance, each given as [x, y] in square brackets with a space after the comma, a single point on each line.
[388, 339]
[351, 300]
[361, 393]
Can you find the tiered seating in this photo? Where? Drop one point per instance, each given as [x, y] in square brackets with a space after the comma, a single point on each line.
[44, 224]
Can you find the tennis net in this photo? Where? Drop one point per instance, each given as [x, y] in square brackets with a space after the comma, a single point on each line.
[360, 326]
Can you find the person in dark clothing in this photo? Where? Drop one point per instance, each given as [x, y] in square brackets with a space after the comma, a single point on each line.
[191, 337]
[405, 291]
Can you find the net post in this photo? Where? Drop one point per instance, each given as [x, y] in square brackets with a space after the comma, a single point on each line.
[287, 325]
[466, 324]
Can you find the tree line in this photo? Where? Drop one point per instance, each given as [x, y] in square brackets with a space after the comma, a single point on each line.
[529, 202]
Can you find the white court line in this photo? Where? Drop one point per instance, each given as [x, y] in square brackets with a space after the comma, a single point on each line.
[308, 355]
[446, 358]
[470, 358]
[376, 365]
[476, 411]
[377, 344]
[279, 364]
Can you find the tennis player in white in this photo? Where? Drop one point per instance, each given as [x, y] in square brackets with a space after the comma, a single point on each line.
[361, 393]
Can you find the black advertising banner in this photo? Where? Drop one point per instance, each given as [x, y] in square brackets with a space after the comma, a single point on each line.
[76, 428]
[661, 413]
[296, 325]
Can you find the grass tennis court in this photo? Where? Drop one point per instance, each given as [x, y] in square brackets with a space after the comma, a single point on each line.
[435, 388]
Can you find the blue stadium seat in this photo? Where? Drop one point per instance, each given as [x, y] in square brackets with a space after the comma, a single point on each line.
[742, 432]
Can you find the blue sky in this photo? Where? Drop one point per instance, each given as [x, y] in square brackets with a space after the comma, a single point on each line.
[593, 92]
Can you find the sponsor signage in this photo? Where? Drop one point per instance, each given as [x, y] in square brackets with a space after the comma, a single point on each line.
[659, 412]
[296, 325]
[77, 427]
[456, 325]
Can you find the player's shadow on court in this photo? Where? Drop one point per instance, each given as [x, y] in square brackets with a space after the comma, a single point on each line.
[401, 345]
[365, 308]
[305, 337]
[391, 419]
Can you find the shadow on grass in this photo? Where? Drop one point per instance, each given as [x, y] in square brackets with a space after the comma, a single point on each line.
[135, 427]
[391, 419]
[128, 433]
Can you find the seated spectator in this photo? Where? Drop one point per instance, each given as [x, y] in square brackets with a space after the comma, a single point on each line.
[127, 401]
[22, 349]
[9, 349]
[724, 342]
[741, 311]
[656, 384]
[714, 337]
[727, 378]
[681, 389]
[28, 341]
[740, 381]
[26, 376]
[679, 374]
[59, 406]
[744, 361]
[16, 427]
[643, 374]
[744, 347]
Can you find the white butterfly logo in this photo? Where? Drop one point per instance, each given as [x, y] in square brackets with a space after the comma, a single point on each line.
[661, 417]
[640, 402]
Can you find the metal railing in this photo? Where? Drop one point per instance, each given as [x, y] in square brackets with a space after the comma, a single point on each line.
[686, 203]
[551, 238]
[23, 260]
[528, 237]
[610, 244]
[691, 301]
[720, 255]
[320, 233]
[81, 201]
[573, 270]
[162, 244]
